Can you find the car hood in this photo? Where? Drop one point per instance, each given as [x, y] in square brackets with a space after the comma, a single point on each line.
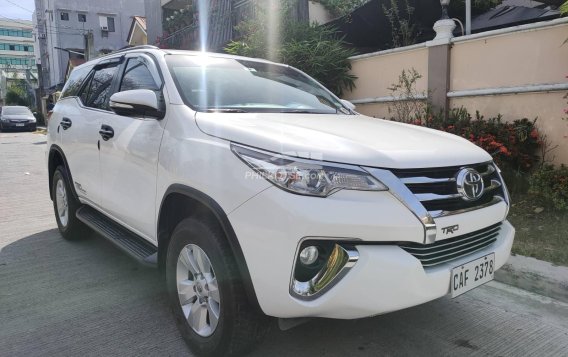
[350, 139]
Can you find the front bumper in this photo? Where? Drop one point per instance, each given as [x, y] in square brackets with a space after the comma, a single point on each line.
[384, 279]
[18, 126]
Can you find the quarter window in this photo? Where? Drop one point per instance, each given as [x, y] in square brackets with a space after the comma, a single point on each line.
[137, 76]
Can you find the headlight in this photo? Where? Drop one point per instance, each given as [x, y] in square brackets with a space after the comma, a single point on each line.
[306, 177]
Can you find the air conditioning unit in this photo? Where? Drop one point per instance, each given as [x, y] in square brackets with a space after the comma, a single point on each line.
[103, 22]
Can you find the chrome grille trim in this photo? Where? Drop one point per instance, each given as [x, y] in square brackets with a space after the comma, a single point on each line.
[452, 248]
[441, 213]
[423, 197]
[423, 179]
[444, 243]
[436, 188]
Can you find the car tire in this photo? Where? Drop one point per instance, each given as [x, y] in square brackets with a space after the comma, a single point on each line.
[65, 206]
[239, 326]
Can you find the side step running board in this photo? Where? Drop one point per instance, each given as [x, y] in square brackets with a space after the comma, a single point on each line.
[135, 246]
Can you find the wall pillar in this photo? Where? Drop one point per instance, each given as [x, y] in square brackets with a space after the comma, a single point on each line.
[439, 76]
[439, 64]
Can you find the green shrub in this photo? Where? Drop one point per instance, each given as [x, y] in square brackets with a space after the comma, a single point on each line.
[513, 145]
[552, 184]
[311, 48]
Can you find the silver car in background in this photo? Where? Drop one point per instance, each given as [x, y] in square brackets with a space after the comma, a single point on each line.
[18, 118]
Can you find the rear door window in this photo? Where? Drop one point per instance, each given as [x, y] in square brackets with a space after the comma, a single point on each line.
[75, 81]
[97, 90]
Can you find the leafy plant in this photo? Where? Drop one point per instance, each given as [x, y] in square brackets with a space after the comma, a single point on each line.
[178, 19]
[564, 9]
[341, 7]
[313, 49]
[408, 102]
[403, 29]
[552, 184]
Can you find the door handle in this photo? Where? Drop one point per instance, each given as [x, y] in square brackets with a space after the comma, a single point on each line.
[106, 132]
[65, 123]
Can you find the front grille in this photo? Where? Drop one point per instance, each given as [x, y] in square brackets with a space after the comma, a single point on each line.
[436, 188]
[452, 248]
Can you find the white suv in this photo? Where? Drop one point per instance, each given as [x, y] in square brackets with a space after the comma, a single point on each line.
[261, 194]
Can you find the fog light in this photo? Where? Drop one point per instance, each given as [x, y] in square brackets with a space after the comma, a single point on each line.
[309, 255]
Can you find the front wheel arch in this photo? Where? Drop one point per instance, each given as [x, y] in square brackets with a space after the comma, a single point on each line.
[180, 202]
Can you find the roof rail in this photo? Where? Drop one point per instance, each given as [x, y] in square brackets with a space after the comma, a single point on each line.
[141, 47]
[125, 49]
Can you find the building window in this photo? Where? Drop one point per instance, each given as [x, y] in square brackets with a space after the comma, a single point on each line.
[110, 22]
[16, 47]
[64, 16]
[16, 61]
[82, 17]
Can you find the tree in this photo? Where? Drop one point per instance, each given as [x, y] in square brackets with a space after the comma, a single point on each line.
[341, 7]
[16, 94]
[313, 49]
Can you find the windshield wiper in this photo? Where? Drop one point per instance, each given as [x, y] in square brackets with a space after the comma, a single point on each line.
[301, 111]
[225, 110]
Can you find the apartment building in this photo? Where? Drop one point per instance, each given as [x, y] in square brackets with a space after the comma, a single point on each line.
[69, 29]
[17, 60]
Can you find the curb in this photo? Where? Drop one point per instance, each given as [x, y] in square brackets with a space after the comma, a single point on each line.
[536, 276]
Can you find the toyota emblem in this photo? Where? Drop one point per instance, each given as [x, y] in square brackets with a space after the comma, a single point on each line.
[470, 184]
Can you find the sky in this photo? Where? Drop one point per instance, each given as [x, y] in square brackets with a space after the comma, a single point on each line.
[17, 9]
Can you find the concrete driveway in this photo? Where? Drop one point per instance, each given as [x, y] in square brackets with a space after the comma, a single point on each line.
[86, 298]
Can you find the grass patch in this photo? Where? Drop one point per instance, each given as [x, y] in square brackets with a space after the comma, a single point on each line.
[542, 232]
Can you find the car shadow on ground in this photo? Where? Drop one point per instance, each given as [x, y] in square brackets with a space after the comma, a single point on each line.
[59, 297]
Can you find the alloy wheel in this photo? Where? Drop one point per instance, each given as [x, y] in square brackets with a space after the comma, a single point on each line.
[62, 203]
[198, 290]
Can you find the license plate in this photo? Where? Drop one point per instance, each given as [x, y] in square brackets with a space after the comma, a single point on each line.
[470, 275]
[20, 124]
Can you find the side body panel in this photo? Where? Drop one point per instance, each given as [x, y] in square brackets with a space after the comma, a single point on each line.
[80, 145]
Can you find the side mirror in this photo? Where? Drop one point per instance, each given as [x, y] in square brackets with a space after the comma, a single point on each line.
[348, 104]
[136, 103]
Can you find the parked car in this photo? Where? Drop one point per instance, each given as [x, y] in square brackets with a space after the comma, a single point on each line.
[261, 194]
[18, 118]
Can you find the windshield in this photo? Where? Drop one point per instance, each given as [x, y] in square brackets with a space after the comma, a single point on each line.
[16, 111]
[236, 85]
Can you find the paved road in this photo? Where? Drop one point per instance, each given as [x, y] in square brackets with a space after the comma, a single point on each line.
[86, 298]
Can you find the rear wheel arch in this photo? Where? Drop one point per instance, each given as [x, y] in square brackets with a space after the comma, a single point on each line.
[181, 202]
[57, 158]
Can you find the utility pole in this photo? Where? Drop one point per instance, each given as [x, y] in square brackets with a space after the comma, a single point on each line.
[468, 17]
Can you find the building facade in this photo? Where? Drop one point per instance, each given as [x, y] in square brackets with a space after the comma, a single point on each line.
[68, 29]
[17, 60]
